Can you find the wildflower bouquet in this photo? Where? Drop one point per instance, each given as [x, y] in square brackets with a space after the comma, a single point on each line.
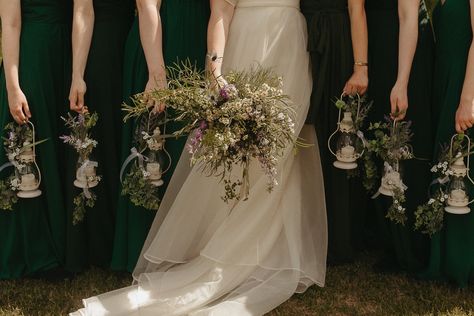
[81, 140]
[142, 182]
[390, 143]
[231, 121]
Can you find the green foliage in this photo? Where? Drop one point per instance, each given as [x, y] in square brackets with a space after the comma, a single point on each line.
[429, 217]
[81, 201]
[140, 189]
[8, 197]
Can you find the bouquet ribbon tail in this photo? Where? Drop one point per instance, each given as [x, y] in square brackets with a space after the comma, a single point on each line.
[360, 134]
[440, 181]
[6, 165]
[133, 154]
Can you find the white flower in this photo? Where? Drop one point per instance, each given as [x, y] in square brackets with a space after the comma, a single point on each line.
[442, 199]
[431, 201]
[400, 208]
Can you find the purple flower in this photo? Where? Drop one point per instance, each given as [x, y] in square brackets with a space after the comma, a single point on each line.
[227, 91]
[203, 125]
[81, 119]
[65, 138]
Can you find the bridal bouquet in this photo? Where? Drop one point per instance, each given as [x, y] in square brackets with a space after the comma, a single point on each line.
[81, 140]
[18, 144]
[142, 182]
[231, 121]
[390, 143]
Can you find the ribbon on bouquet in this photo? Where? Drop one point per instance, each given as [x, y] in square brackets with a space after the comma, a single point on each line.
[360, 134]
[389, 169]
[440, 181]
[82, 173]
[134, 154]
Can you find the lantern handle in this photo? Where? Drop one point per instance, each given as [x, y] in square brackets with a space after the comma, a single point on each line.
[34, 153]
[335, 132]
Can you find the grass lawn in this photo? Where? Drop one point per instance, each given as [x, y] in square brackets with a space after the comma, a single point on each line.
[351, 290]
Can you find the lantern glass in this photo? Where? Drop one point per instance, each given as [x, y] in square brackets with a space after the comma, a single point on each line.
[29, 180]
[153, 168]
[86, 175]
[458, 192]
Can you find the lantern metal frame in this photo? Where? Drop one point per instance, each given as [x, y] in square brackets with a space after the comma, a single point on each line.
[33, 192]
[351, 163]
[460, 210]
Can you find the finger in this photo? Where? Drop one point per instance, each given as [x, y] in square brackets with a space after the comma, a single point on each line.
[20, 115]
[458, 128]
[80, 100]
[162, 107]
[26, 109]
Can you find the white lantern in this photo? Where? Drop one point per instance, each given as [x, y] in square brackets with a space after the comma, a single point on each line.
[458, 197]
[27, 170]
[86, 176]
[347, 150]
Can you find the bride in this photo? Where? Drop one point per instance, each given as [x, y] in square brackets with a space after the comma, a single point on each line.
[206, 257]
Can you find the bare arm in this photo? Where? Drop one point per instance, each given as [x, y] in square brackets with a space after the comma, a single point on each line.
[82, 29]
[10, 14]
[360, 79]
[217, 32]
[408, 16]
[465, 112]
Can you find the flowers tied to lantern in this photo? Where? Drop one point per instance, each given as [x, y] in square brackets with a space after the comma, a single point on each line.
[81, 140]
[350, 145]
[21, 151]
[148, 162]
[459, 180]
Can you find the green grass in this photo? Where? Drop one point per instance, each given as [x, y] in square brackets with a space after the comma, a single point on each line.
[351, 290]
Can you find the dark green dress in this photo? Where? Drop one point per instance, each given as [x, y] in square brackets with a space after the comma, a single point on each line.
[452, 250]
[332, 65]
[184, 36]
[32, 237]
[91, 242]
[404, 247]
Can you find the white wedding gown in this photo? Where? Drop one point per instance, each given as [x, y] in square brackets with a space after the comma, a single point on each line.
[206, 257]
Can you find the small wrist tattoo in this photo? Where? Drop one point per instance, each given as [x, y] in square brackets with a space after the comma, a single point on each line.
[214, 58]
[361, 63]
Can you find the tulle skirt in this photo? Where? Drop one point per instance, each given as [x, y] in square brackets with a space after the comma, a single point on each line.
[206, 257]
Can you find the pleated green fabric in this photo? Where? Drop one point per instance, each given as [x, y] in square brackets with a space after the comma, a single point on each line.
[184, 37]
[91, 242]
[452, 250]
[32, 237]
[332, 65]
[403, 246]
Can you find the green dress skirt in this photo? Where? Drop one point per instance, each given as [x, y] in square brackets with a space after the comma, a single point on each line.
[184, 37]
[452, 250]
[91, 242]
[332, 65]
[402, 246]
[32, 236]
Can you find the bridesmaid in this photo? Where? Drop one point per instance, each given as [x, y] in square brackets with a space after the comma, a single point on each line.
[400, 76]
[452, 250]
[337, 66]
[100, 29]
[171, 31]
[33, 80]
